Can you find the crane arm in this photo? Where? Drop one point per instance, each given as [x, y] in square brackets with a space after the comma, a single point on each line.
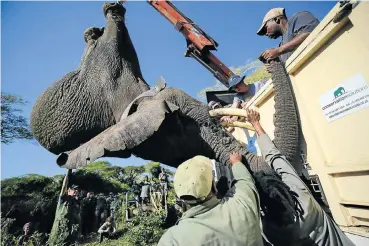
[199, 44]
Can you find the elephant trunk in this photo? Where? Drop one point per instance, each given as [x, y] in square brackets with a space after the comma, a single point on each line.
[285, 121]
[286, 133]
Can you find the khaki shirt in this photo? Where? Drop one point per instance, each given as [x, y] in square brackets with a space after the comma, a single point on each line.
[228, 221]
[314, 227]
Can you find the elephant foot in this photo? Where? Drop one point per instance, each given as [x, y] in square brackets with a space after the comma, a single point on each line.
[93, 33]
[114, 9]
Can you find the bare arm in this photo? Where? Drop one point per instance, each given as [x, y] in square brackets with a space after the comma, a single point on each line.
[254, 118]
[301, 27]
[271, 54]
[293, 44]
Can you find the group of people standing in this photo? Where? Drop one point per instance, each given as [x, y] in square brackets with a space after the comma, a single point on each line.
[79, 213]
[143, 189]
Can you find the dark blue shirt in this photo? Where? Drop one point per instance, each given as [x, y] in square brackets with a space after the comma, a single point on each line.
[301, 22]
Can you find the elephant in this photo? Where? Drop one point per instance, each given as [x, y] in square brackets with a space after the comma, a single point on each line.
[85, 102]
[106, 109]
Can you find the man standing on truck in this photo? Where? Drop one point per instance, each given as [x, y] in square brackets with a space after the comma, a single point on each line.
[312, 226]
[211, 221]
[293, 31]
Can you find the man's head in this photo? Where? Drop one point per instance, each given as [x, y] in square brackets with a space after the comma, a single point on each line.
[237, 83]
[241, 87]
[111, 194]
[162, 170]
[193, 180]
[27, 228]
[273, 23]
[90, 194]
[73, 190]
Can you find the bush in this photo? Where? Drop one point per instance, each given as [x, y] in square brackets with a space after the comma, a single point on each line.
[8, 239]
[34, 198]
[145, 229]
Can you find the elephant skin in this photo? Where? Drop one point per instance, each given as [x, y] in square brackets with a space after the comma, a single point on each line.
[169, 127]
[85, 102]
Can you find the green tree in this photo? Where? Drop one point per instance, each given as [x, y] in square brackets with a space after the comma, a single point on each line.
[13, 125]
[153, 168]
[130, 174]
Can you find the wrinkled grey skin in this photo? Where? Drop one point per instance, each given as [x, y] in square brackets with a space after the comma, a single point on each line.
[87, 101]
[170, 127]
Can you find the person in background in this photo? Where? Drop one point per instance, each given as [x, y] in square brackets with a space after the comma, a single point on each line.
[311, 226]
[66, 227]
[293, 30]
[145, 190]
[135, 189]
[114, 210]
[101, 210]
[211, 221]
[163, 178]
[87, 213]
[27, 237]
[106, 230]
[109, 200]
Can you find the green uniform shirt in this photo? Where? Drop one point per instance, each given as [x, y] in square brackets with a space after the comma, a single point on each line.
[314, 227]
[229, 221]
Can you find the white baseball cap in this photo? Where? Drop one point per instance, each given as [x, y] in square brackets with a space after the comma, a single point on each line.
[194, 177]
[271, 14]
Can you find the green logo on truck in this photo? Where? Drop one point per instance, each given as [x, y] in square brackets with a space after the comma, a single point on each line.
[339, 92]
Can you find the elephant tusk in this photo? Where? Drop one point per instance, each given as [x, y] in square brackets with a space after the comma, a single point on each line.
[228, 112]
[238, 124]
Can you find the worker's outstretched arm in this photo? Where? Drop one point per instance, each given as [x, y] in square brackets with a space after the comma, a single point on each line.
[301, 27]
[272, 155]
[293, 44]
[245, 192]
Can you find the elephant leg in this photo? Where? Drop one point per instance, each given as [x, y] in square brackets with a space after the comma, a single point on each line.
[114, 14]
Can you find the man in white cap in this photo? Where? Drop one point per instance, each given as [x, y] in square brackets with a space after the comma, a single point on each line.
[293, 31]
[210, 221]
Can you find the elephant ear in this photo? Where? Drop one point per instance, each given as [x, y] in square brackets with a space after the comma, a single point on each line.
[118, 140]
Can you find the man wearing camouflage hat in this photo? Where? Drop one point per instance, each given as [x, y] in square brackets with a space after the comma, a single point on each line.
[210, 221]
[293, 31]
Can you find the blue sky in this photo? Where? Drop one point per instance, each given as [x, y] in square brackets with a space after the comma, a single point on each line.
[42, 41]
